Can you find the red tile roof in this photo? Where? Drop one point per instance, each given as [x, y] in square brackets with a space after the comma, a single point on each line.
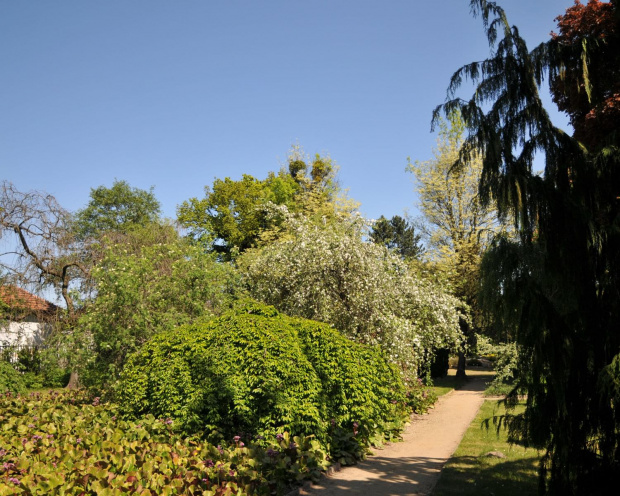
[21, 299]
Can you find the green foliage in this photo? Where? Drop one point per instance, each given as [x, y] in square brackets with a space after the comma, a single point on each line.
[42, 367]
[10, 379]
[457, 224]
[119, 208]
[231, 216]
[236, 215]
[420, 397]
[398, 235]
[556, 283]
[148, 281]
[237, 373]
[472, 472]
[315, 176]
[360, 390]
[505, 359]
[37, 367]
[260, 372]
[58, 444]
[330, 274]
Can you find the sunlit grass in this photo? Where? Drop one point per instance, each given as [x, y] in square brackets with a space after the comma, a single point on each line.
[471, 472]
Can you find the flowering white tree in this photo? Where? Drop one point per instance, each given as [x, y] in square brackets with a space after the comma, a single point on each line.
[329, 273]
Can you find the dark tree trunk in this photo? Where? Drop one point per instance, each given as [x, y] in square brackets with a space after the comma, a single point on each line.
[460, 368]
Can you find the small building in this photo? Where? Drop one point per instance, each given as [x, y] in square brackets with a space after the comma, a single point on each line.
[25, 319]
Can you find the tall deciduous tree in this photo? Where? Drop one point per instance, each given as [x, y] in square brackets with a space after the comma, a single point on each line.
[586, 80]
[458, 225]
[236, 215]
[118, 208]
[41, 248]
[558, 283]
[43, 252]
[232, 214]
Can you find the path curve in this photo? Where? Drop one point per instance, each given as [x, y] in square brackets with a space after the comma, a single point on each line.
[411, 467]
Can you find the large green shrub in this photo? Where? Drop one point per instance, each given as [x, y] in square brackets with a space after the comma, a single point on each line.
[259, 372]
[148, 281]
[330, 273]
[10, 379]
[357, 382]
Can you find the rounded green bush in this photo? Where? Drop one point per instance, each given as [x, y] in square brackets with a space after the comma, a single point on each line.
[10, 379]
[259, 372]
[358, 385]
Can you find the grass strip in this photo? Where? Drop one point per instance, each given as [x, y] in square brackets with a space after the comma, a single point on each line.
[471, 471]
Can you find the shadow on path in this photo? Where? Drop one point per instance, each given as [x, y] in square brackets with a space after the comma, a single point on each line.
[386, 477]
[412, 467]
[476, 381]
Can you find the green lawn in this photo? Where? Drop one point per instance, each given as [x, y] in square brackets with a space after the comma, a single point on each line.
[471, 472]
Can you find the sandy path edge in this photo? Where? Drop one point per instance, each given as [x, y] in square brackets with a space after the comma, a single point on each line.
[411, 467]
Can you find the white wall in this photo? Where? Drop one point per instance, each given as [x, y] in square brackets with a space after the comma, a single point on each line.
[23, 333]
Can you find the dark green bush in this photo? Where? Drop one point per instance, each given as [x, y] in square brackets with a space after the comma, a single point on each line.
[54, 376]
[10, 379]
[259, 372]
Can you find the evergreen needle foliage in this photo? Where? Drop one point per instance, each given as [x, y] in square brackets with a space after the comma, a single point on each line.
[558, 284]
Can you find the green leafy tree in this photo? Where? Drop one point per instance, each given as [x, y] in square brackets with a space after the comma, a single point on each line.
[118, 208]
[316, 177]
[557, 283]
[236, 215]
[399, 235]
[148, 280]
[458, 225]
[330, 274]
[232, 215]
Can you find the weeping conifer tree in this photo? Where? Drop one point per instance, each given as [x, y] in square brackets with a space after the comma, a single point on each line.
[558, 283]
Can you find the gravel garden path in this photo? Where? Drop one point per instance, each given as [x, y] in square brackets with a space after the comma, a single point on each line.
[411, 467]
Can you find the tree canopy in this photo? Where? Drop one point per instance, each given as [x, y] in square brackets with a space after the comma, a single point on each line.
[331, 274]
[232, 214]
[399, 235]
[41, 249]
[457, 225]
[585, 78]
[148, 280]
[558, 283]
[118, 208]
[235, 215]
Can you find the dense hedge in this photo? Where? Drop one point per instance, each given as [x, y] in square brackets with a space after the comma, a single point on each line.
[10, 379]
[259, 372]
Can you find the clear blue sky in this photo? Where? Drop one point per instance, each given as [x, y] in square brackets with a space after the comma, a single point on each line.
[172, 94]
